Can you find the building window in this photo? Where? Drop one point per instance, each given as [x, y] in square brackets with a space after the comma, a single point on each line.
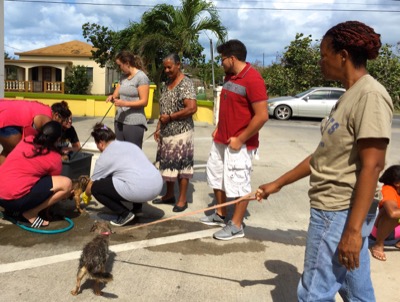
[35, 74]
[11, 73]
[58, 75]
[89, 73]
[46, 74]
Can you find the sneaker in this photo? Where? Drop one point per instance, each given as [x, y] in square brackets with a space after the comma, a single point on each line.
[230, 231]
[121, 220]
[213, 219]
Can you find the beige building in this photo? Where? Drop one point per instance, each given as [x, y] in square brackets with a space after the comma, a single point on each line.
[44, 69]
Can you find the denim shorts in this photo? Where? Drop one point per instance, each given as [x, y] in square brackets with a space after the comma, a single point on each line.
[323, 275]
[10, 130]
[229, 170]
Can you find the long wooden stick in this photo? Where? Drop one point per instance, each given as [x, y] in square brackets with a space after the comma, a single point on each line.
[247, 197]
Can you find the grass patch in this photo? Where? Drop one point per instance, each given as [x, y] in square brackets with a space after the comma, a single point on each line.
[53, 96]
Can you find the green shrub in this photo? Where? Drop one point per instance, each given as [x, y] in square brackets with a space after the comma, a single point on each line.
[77, 81]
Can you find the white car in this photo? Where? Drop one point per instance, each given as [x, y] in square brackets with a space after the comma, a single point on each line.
[315, 102]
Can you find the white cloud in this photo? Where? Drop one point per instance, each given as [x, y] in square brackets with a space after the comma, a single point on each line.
[261, 25]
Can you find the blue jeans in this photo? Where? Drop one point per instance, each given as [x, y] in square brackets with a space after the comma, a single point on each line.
[323, 275]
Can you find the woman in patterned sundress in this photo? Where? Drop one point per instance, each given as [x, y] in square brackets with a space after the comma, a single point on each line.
[175, 133]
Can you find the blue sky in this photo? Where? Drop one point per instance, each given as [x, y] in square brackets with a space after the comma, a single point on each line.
[265, 27]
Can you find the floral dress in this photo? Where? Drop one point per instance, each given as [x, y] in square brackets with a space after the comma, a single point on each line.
[176, 146]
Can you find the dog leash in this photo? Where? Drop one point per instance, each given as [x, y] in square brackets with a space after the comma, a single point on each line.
[151, 134]
[80, 149]
[248, 197]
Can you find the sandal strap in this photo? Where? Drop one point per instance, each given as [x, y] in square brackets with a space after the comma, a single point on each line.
[37, 223]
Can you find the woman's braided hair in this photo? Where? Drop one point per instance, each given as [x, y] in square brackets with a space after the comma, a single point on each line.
[360, 41]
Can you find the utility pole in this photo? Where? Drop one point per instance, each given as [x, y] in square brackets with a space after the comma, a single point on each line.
[263, 60]
[212, 63]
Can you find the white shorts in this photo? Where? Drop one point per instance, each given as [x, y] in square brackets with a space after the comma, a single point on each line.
[229, 170]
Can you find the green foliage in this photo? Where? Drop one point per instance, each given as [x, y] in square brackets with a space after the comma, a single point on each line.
[176, 29]
[201, 96]
[107, 42]
[102, 39]
[278, 79]
[76, 80]
[52, 96]
[162, 30]
[166, 29]
[7, 56]
[11, 72]
[297, 70]
[386, 69]
[301, 58]
[203, 71]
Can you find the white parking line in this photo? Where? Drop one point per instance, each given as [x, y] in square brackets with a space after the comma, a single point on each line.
[124, 247]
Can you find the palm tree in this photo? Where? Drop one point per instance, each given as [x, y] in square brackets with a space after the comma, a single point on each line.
[167, 29]
[190, 20]
[7, 56]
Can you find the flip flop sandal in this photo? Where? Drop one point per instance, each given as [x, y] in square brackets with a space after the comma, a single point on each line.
[37, 223]
[378, 254]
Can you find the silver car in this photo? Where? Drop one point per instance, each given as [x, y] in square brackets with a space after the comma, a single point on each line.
[315, 102]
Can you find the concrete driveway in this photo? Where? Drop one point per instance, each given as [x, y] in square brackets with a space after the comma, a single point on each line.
[178, 260]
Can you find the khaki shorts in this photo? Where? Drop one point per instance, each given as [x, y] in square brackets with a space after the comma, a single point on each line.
[229, 170]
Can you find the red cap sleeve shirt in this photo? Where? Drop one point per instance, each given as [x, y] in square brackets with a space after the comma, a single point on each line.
[21, 113]
[236, 99]
[18, 173]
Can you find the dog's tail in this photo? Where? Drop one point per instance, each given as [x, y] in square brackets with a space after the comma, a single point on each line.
[103, 277]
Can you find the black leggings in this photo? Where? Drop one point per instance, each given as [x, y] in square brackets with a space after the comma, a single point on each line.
[103, 190]
[39, 193]
[130, 133]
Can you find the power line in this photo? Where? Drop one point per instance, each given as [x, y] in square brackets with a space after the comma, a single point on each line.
[80, 3]
[12, 47]
[225, 8]
[311, 9]
[310, 2]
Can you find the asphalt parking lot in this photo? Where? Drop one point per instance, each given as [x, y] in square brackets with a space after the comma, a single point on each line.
[178, 260]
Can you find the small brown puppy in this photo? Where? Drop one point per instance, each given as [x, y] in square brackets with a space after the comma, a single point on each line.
[94, 257]
[79, 186]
